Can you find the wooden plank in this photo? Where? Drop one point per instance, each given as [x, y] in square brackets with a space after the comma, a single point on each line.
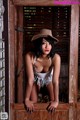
[15, 39]
[72, 112]
[19, 53]
[11, 52]
[41, 106]
[61, 113]
[11, 57]
[42, 115]
[73, 62]
[34, 2]
[78, 111]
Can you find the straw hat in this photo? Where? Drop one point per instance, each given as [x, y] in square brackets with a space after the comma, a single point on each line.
[44, 33]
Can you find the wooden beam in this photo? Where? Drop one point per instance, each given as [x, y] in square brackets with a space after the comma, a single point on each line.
[40, 113]
[11, 51]
[35, 2]
[73, 63]
[41, 106]
[20, 56]
[11, 56]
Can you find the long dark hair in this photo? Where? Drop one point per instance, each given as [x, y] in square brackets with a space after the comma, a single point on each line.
[37, 47]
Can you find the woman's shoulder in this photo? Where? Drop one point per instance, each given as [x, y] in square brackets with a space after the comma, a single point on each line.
[56, 55]
[56, 58]
[30, 55]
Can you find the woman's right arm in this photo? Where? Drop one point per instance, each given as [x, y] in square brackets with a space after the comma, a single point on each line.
[30, 76]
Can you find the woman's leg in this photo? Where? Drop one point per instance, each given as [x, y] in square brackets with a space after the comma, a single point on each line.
[34, 93]
[50, 89]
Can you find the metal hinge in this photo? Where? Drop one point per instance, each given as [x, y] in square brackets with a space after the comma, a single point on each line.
[19, 29]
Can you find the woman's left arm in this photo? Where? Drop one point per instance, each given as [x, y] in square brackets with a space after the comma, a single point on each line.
[56, 64]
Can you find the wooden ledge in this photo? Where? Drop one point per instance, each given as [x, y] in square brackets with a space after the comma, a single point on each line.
[33, 2]
[40, 106]
[36, 3]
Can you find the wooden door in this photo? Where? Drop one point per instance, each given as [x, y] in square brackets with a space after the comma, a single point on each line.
[65, 111]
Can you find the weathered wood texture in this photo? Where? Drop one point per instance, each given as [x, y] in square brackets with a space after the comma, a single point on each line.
[78, 111]
[61, 113]
[19, 53]
[34, 2]
[11, 35]
[11, 51]
[64, 111]
[45, 2]
[73, 61]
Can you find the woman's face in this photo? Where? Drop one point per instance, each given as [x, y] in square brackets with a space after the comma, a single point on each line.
[46, 47]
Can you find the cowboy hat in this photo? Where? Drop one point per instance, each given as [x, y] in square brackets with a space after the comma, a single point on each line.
[44, 33]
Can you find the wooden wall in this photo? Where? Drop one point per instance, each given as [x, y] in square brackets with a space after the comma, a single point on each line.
[68, 111]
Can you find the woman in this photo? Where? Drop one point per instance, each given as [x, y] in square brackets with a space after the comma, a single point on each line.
[42, 68]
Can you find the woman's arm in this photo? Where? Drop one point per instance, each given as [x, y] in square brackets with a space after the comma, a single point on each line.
[56, 65]
[30, 75]
[30, 78]
[55, 81]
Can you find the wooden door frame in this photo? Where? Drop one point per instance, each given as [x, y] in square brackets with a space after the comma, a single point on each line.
[73, 62]
[73, 57]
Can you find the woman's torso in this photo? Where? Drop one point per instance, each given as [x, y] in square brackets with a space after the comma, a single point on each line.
[43, 70]
[42, 65]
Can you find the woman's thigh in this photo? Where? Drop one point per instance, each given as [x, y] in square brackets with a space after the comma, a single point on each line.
[50, 89]
[34, 93]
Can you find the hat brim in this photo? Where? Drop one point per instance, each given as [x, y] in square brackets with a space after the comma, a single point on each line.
[35, 37]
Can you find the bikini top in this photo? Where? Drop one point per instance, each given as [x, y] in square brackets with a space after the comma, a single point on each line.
[40, 74]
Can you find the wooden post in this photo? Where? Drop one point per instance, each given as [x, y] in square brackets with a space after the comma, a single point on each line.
[11, 51]
[11, 38]
[73, 63]
[19, 53]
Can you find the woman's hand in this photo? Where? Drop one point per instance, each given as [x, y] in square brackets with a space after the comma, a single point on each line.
[52, 106]
[29, 105]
